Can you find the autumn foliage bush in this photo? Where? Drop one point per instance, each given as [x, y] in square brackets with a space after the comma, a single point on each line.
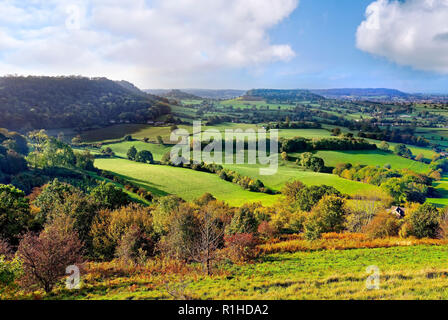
[383, 225]
[340, 241]
[241, 247]
[5, 249]
[45, 257]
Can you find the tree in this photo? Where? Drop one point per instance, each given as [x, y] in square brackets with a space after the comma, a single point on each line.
[328, 216]
[436, 175]
[336, 132]
[308, 197]
[211, 237]
[110, 197]
[243, 221]
[15, 215]
[181, 240]
[144, 156]
[162, 215]
[109, 228]
[396, 188]
[52, 194]
[45, 257]
[85, 160]
[424, 221]
[51, 152]
[132, 152]
[383, 225]
[384, 146]
[403, 151]
[160, 140]
[307, 160]
[291, 190]
[420, 157]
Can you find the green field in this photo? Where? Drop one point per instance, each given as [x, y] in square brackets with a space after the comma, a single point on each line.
[372, 158]
[138, 131]
[290, 172]
[122, 148]
[415, 272]
[186, 183]
[234, 194]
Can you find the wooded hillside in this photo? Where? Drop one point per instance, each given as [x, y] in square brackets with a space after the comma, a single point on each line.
[73, 102]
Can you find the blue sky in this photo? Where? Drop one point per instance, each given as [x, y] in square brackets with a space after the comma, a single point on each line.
[323, 35]
[231, 43]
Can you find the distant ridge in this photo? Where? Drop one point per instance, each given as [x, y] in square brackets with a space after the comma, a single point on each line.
[179, 95]
[361, 93]
[220, 94]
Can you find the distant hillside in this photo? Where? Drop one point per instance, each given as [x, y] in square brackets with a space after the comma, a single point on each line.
[73, 102]
[356, 93]
[221, 94]
[179, 95]
[272, 95]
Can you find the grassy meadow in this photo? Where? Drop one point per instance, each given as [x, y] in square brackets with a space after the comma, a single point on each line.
[406, 272]
[371, 158]
[186, 183]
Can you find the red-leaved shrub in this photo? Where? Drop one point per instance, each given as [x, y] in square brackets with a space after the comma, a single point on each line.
[241, 247]
[45, 257]
[266, 230]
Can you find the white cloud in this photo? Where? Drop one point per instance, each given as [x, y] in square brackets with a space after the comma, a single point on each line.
[140, 40]
[411, 32]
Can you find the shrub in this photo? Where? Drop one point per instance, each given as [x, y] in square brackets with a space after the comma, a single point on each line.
[109, 197]
[424, 221]
[132, 153]
[383, 225]
[5, 249]
[134, 246]
[10, 270]
[241, 247]
[308, 197]
[162, 214]
[243, 221]
[291, 190]
[328, 216]
[443, 225]
[103, 246]
[266, 230]
[45, 257]
[15, 214]
[144, 156]
[183, 234]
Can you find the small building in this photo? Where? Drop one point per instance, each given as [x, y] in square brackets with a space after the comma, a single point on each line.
[398, 211]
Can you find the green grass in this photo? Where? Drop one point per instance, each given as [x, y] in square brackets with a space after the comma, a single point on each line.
[414, 272]
[122, 148]
[138, 131]
[186, 183]
[290, 172]
[372, 158]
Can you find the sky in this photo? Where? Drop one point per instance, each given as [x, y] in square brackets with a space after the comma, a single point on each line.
[237, 44]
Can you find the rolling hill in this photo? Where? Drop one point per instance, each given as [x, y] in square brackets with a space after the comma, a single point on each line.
[281, 96]
[28, 103]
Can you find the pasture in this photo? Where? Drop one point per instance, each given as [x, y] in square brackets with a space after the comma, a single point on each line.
[289, 172]
[187, 184]
[408, 272]
[371, 158]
